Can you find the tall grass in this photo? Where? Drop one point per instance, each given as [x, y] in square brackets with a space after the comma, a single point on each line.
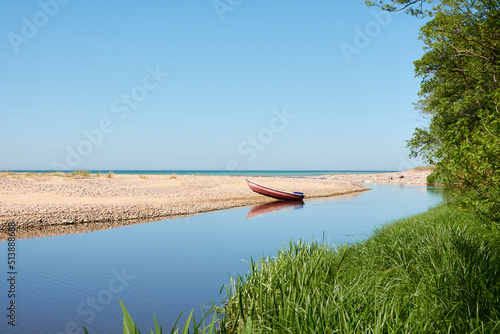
[200, 327]
[438, 272]
[81, 173]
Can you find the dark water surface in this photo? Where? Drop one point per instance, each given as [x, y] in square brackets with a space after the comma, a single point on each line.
[66, 282]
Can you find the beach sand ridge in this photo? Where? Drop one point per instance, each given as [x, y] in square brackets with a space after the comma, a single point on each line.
[53, 204]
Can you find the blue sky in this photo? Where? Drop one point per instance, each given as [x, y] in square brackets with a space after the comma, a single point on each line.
[230, 84]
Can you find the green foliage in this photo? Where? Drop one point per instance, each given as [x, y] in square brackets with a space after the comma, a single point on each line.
[461, 95]
[460, 92]
[435, 179]
[433, 273]
[412, 7]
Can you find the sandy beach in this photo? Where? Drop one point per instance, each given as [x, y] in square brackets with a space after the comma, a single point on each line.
[54, 204]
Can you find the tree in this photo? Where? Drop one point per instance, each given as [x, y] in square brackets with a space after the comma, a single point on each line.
[413, 7]
[460, 92]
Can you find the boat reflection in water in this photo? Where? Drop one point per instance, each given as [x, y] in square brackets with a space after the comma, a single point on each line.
[261, 209]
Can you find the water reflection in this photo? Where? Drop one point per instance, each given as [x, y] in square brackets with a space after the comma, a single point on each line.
[446, 194]
[272, 207]
[180, 264]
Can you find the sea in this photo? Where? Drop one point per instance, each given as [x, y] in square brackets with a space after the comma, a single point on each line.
[287, 173]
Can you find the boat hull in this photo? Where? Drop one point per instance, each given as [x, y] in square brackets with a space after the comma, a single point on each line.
[274, 193]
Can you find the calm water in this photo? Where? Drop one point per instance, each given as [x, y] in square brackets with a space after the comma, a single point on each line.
[173, 265]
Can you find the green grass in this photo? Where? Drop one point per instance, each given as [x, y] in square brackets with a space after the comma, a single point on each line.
[191, 325]
[18, 175]
[437, 272]
[429, 167]
[81, 173]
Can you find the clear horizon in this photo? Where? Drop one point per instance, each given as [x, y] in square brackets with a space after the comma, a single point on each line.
[214, 86]
[209, 170]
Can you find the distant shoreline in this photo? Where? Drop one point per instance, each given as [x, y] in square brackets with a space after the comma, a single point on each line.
[44, 204]
[295, 173]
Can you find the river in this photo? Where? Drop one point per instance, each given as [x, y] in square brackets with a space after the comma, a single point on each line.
[70, 281]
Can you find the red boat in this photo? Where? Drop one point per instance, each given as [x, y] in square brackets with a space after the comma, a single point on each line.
[275, 193]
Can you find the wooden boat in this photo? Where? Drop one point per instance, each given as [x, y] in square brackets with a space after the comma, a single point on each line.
[273, 207]
[275, 193]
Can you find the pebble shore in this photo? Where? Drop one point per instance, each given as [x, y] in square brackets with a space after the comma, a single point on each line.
[53, 204]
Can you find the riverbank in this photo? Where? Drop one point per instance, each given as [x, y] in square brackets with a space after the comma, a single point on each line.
[60, 203]
[436, 272]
